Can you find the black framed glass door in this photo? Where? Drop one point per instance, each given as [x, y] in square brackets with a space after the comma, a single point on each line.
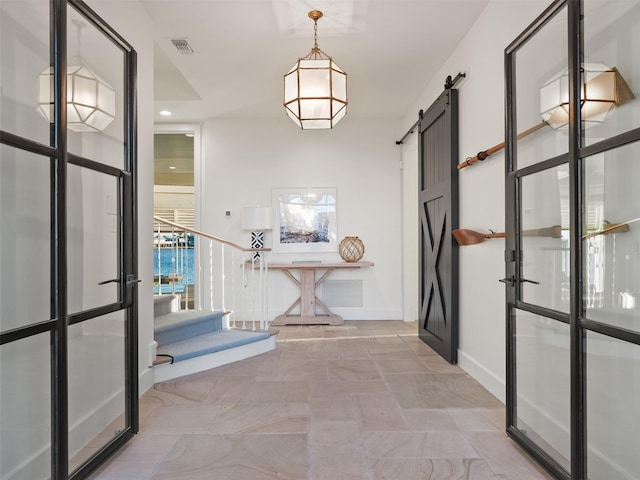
[68, 315]
[573, 323]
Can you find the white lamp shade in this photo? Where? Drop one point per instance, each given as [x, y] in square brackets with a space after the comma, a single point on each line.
[91, 102]
[257, 218]
[315, 93]
[603, 89]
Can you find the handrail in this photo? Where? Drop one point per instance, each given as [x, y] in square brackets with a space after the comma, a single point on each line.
[251, 286]
[211, 237]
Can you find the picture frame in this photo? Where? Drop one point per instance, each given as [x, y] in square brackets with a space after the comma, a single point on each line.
[305, 220]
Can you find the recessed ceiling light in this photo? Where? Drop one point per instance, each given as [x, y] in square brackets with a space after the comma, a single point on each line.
[165, 113]
[172, 168]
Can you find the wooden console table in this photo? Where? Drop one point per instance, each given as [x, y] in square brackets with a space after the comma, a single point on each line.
[308, 299]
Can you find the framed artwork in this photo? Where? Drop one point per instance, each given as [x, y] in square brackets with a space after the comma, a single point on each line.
[305, 220]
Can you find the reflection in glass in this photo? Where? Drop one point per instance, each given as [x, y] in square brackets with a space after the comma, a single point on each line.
[612, 241]
[25, 242]
[25, 413]
[542, 369]
[96, 93]
[537, 141]
[93, 239]
[24, 36]
[545, 238]
[603, 89]
[96, 384]
[608, 39]
[613, 410]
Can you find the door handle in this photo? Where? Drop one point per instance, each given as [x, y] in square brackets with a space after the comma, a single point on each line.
[131, 280]
[113, 280]
[508, 280]
[511, 281]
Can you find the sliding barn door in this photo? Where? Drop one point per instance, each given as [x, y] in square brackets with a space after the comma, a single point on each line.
[438, 207]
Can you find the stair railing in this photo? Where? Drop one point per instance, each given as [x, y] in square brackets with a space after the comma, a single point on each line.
[233, 279]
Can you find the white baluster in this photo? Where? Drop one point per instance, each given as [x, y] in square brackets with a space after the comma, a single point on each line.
[253, 294]
[222, 280]
[265, 292]
[174, 252]
[211, 275]
[159, 262]
[244, 293]
[197, 244]
[186, 281]
[233, 289]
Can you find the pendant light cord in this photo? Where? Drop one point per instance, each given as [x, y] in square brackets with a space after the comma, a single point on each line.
[79, 26]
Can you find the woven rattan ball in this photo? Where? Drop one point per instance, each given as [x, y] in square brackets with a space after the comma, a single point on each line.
[351, 249]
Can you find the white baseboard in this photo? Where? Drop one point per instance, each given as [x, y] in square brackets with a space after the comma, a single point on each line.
[145, 380]
[485, 377]
[167, 371]
[348, 313]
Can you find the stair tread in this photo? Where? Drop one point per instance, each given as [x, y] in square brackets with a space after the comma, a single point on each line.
[183, 317]
[210, 343]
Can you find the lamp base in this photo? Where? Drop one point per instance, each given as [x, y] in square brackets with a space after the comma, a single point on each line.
[257, 241]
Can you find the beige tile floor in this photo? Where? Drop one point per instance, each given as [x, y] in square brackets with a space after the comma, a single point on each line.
[364, 401]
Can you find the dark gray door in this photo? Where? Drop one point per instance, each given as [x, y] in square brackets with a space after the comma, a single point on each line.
[68, 321]
[573, 322]
[438, 207]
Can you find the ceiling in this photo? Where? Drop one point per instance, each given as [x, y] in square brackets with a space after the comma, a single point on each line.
[173, 159]
[390, 50]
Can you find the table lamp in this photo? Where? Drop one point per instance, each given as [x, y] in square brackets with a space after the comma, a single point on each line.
[257, 219]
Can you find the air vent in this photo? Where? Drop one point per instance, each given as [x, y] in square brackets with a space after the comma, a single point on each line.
[182, 45]
[342, 293]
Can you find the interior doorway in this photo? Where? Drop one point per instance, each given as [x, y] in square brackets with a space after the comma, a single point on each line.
[176, 168]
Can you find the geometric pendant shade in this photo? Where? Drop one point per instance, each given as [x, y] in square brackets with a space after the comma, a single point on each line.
[91, 102]
[603, 89]
[315, 88]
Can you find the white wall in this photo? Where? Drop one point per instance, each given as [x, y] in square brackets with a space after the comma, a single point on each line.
[244, 160]
[410, 228]
[481, 111]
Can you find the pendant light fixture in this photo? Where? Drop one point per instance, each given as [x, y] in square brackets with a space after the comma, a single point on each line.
[91, 102]
[315, 89]
[603, 89]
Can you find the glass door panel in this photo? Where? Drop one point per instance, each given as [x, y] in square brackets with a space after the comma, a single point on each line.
[540, 95]
[25, 70]
[95, 105]
[545, 240]
[542, 369]
[611, 74]
[25, 241]
[93, 239]
[25, 408]
[613, 409]
[574, 338]
[101, 371]
[611, 256]
[96, 384]
[99, 261]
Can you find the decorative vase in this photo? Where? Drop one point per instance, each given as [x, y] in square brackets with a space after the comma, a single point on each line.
[351, 249]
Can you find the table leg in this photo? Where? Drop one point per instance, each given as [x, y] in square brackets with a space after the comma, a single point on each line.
[308, 300]
[307, 293]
